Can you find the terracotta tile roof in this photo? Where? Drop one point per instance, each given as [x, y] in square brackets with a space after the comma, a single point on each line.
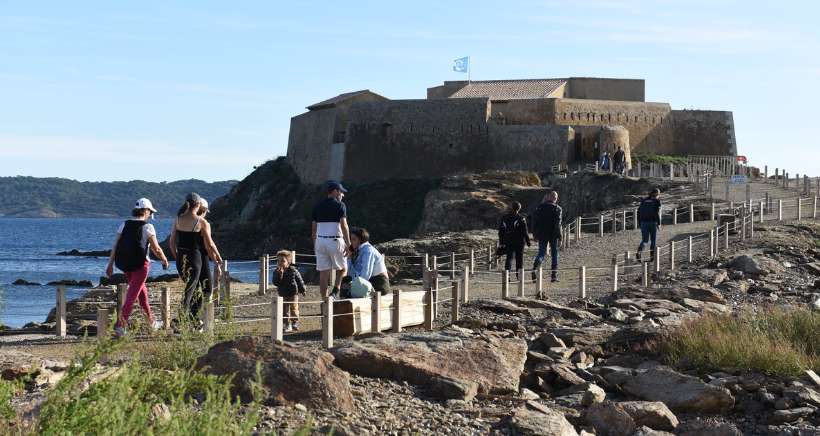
[510, 89]
[339, 98]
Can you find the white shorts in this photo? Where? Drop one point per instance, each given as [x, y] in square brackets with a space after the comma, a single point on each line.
[330, 254]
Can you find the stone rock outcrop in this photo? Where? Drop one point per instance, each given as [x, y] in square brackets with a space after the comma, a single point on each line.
[652, 414]
[290, 374]
[462, 362]
[544, 421]
[679, 392]
[610, 419]
[755, 265]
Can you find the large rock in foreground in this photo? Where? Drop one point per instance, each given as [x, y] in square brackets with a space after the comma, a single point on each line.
[682, 393]
[450, 363]
[290, 374]
[542, 422]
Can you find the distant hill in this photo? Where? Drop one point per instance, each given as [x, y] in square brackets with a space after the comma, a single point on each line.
[56, 197]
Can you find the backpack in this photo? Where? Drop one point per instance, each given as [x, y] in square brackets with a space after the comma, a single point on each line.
[130, 254]
[360, 288]
[510, 228]
[648, 210]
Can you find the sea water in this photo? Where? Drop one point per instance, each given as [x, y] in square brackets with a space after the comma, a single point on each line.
[28, 248]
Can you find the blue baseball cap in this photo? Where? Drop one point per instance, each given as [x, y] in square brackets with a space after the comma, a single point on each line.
[333, 185]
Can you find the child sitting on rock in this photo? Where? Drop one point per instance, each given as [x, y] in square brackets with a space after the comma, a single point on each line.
[289, 284]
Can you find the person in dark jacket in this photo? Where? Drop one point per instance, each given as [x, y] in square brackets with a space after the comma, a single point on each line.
[289, 284]
[547, 231]
[620, 161]
[649, 218]
[513, 234]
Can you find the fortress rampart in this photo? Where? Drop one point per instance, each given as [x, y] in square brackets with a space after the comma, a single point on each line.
[494, 125]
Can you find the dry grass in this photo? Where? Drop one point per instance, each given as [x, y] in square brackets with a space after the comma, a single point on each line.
[774, 342]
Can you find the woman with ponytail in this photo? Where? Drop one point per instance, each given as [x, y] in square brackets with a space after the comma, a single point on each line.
[185, 244]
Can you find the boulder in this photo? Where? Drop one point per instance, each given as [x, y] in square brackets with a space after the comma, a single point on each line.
[549, 340]
[713, 276]
[544, 421]
[593, 394]
[682, 393]
[646, 431]
[610, 419]
[492, 363]
[500, 306]
[290, 374]
[163, 278]
[789, 415]
[564, 311]
[701, 293]
[754, 265]
[706, 306]
[708, 428]
[653, 414]
[585, 336]
[116, 279]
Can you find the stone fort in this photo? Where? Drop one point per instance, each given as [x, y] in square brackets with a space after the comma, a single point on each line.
[476, 126]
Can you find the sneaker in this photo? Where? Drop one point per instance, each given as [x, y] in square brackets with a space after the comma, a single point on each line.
[335, 292]
[534, 276]
[288, 328]
[295, 326]
[638, 256]
[156, 325]
[554, 280]
[120, 332]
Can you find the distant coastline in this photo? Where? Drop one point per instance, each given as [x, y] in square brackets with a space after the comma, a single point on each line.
[33, 197]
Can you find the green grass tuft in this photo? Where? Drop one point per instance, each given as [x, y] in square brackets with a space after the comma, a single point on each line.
[774, 342]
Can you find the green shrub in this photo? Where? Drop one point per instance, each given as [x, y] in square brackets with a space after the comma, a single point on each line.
[7, 391]
[664, 159]
[126, 401]
[774, 342]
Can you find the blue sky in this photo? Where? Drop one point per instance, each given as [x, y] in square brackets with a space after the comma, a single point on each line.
[100, 90]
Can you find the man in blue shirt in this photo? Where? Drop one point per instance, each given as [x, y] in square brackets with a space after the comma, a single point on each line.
[331, 236]
[649, 217]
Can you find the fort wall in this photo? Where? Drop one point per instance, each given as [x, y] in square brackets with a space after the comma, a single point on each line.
[605, 89]
[704, 132]
[422, 115]
[531, 111]
[311, 134]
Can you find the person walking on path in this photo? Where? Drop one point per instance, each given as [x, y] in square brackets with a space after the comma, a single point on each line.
[191, 245]
[207, 251]
[546, 228]
[331, 237]
[649, 217]
[605, 161]
[513, 234]
[289, 285]
[620, 161]
[130, 255]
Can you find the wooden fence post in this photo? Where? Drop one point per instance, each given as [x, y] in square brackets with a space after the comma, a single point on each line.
[102, 323]
[691, 213]
[455, 304]
[472, 260]
[434, 284]
[635, 215]
[713, 211]
[645, 276]
[675, 216]
[429, 309]
[521, 282]
[165, 306]
[539, 282]
[466, 288]
[814, 208]
[452, 266]
[262, 267]
[582, 282]
[760, 210]
[726, 236]
[657, 259]
[505, 284]
[489, 258]
[671, 255]
[122, 289]
[614, 273]
[277, 318]
[624, 218]
[396, 328]
[799, 209]
[376, 313]
[327, 322]
[690, 252]
[780, 210]
[614, 222]
[601, 226]
[208, 321]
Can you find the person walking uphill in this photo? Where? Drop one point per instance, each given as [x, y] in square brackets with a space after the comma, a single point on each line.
[547, 231]
[331, 236]
[130, 255]
[513, 234]
[649, 217]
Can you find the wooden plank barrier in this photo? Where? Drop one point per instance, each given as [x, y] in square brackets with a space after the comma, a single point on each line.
[360, 313]
[102, 323]
[60, 315]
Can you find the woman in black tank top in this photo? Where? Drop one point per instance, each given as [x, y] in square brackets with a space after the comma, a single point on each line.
[192, 245]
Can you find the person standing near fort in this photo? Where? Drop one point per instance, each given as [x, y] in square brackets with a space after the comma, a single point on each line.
[547, 230]
[620, 160]
[649, 217]
[331, 237]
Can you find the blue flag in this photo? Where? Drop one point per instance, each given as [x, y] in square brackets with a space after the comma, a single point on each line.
[462, 65]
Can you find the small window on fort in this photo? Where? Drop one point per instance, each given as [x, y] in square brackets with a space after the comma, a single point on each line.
[587, 116]
[609, 117]
[451, 145]
[636, 118]
[565, 115]
[572, 116]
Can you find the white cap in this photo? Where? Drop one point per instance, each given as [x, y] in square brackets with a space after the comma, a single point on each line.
[203, 203]
[144, 203]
